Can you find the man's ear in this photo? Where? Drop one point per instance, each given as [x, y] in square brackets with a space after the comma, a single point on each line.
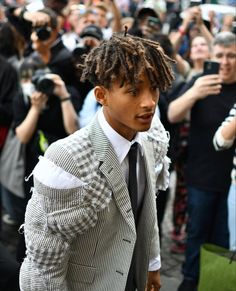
[100, 95]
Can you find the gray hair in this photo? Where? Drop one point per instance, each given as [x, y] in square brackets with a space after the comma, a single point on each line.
[224, 38]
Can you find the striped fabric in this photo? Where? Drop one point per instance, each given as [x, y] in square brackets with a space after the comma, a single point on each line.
[83, 237]
[220, 143]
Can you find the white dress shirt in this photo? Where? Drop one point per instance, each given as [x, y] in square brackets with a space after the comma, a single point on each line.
[121, 147]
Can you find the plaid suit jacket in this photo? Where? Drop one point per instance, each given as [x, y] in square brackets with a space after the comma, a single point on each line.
[79, 226]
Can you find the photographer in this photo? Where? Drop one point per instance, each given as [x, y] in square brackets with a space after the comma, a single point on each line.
[90, 37]
[146, 23]
[43, 113]
[48, 48]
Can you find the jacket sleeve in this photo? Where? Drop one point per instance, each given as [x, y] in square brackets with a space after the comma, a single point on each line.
[55, 215]
[219, 142]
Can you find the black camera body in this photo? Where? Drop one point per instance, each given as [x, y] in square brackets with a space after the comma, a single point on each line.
[42, 83]
[79, 52]
[43, 32]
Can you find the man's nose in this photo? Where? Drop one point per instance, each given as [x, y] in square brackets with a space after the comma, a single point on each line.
[34, 36]
[224, 60]
[148, 99]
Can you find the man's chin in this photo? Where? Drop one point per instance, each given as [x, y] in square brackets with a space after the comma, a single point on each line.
[144, 128]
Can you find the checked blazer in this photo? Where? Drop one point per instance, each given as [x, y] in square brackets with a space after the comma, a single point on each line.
[79, 226]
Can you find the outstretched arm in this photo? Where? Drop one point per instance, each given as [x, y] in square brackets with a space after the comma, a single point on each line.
[203, 87]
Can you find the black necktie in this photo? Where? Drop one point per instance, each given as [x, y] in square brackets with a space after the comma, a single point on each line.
[132, 185]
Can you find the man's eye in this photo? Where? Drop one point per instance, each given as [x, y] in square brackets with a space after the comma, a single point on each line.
[232, 56]
[154, 89]
[132, 92]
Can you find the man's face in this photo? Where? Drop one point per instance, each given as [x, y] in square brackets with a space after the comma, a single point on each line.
[129, 112]
[199, 49]
[101, 17]
[43, 45]
[84, 21]
[226, 56]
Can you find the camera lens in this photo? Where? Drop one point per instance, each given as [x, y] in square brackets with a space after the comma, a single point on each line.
[45, 85]
[43, 33]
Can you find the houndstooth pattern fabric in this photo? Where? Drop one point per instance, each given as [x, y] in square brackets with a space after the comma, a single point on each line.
[60, 222]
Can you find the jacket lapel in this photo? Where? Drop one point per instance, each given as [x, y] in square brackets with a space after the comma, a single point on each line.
[110, 168]
[149, 164]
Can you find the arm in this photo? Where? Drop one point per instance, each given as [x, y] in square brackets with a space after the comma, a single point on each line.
[177, 37]
[116, 26]
[55, 215]
[191, 14]
[182, 65]
[226, 133]
[89, 109]
[162, 180]
[203, 87]
[69, 115]
[27, 128]
[23, 20]
[36, 18]
[199, 21]
[154, 279]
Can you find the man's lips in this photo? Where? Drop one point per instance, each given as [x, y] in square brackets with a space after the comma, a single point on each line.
[146, 117]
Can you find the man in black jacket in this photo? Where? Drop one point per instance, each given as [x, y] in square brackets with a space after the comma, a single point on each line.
[8, 88]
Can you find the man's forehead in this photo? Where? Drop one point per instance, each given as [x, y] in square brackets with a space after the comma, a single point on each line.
[222, 48]
[142, 79]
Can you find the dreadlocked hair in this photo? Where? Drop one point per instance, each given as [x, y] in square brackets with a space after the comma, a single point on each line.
[126, 58]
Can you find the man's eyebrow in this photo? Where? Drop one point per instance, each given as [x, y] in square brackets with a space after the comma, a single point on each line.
[140, 81]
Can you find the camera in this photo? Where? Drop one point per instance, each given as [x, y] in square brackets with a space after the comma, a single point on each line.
[154, 22]
[43, 32]
[80, 50]
[42, 83]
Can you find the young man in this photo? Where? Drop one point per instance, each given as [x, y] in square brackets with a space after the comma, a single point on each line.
[83, 228]
[209, 98]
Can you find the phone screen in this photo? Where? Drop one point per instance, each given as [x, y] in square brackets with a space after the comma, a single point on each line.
[195, 3]
[153, 21]
[211, 67]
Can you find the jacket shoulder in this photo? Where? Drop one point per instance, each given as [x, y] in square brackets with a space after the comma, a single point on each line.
[72, 152]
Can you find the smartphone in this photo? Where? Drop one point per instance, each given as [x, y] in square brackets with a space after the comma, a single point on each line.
[211, 67]
[195, 3]
[153, 21]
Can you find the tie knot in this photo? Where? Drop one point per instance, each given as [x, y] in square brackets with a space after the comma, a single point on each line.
[133, 152]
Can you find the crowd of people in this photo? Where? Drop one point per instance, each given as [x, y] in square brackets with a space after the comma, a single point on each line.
[72, 77]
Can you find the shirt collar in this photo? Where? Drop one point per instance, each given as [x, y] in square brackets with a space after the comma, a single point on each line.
[120, 144]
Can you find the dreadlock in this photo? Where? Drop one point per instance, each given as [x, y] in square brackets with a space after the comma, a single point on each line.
[126, 58]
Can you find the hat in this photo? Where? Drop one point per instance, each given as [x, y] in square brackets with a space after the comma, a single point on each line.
[93, 31]
[146, 11]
